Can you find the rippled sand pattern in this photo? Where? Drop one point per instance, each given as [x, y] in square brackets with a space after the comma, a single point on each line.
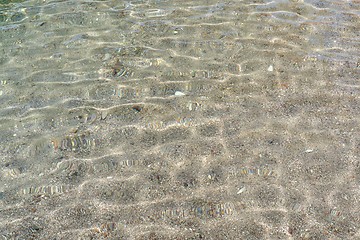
[166, 119]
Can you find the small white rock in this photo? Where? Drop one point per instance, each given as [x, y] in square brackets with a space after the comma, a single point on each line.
[270, 68]
[178, 93]
[107, 56]
[309, 150]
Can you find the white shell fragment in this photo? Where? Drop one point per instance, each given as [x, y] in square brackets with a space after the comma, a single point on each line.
[270, 68]
[104, 114]
[178, 93]
[241, 190]
[192, 105]
[309, 150]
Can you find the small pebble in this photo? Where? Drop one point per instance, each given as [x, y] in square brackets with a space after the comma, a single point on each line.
[270, 68]
[309, 150]
[91, 119]
[40, 24]
[104, 115]
[137, 108]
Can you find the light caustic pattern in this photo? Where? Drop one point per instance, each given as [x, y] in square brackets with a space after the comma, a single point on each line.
[54, 189]
[206, 210]
[77, 142]
[175, 113]
[261, 171]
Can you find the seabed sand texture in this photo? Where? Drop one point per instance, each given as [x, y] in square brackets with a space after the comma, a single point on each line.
[179, 119]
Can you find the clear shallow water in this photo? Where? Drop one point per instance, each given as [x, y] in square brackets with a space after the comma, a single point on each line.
[179, 120]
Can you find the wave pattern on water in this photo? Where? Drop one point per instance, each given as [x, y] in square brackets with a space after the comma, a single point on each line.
[164, 119]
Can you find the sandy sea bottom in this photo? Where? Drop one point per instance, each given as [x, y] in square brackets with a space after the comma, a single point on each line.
[165, 119]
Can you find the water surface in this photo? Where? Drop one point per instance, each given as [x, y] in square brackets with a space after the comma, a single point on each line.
[164, 119]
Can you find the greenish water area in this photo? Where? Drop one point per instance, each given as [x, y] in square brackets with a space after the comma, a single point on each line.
[5, 2]
[164, 119]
